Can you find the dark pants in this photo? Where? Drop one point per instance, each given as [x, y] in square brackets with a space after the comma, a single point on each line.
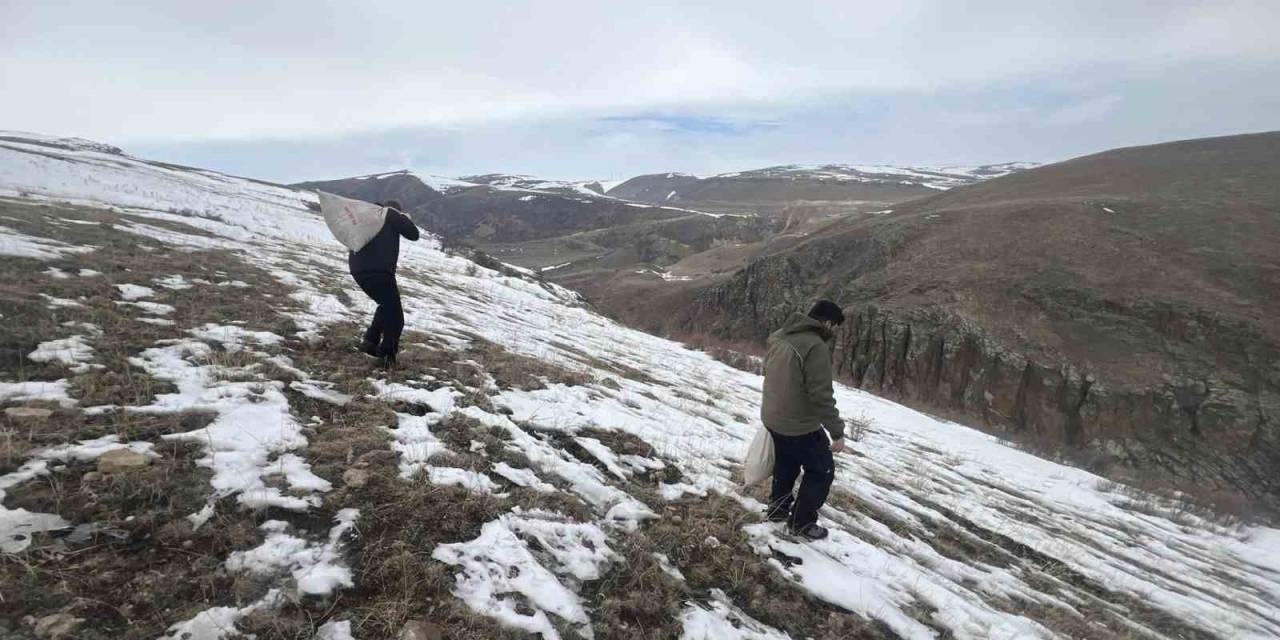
[388, 321]
[812, 453]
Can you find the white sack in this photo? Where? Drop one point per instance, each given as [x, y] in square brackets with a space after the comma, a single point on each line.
[757, 466]
[353, 222]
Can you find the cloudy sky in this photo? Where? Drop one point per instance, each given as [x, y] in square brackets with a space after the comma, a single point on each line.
[290, 90]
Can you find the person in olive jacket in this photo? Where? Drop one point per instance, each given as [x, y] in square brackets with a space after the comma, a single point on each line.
[374, 268]
[799, 410]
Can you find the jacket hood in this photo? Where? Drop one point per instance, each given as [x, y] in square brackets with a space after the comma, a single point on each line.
[799, 322]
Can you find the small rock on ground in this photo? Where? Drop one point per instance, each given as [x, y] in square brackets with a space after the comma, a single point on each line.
[420, 630]
[57, 626]
[34, 414]
[118, 460]
[355, 477]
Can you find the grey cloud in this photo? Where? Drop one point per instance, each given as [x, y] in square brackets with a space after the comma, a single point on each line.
[300, 89]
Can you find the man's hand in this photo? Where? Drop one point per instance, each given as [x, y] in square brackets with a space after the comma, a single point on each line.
[837, 446]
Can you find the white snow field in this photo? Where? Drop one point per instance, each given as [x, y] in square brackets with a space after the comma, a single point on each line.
[1055, 537]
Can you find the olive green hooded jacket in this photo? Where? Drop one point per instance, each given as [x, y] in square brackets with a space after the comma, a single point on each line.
[798, 398]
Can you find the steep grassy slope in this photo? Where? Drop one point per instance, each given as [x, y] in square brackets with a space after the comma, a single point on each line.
[1124, 301]
[216, 459]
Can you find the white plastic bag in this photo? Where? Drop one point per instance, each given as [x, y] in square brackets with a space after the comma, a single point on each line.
[353, 222]
[757, 466]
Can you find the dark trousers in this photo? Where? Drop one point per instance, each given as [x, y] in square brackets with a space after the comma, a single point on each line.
[388, 321]
[811, 453]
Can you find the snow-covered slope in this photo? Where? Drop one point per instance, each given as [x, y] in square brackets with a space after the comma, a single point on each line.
[945, 177]
[500, 181]
[793, 182]
[588, 188]
[1057, 542]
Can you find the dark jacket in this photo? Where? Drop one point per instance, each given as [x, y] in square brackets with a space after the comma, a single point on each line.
[798, 397]
[382, 253]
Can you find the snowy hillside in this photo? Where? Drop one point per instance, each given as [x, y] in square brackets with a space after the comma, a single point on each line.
[946, 177]
[531, 466]
[501, 181]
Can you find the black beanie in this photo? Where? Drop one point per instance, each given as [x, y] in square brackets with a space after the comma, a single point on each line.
[827, 310]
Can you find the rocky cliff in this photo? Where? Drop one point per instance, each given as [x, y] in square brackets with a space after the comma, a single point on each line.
[1119, 308]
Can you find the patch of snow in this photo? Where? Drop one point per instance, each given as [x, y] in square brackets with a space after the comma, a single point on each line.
[220, 622]
[667, 567]
[679, 490]
[73, 352]
[175, 282]
[585, 480]
[17, 244]
[156, 308]
[59, 303]
[234, 338]
[442, 184]
[439, 402]
[473, 481]
[578, 549]
[134, 291]
[604, 454]
[320, 390]
[334, 630]
[316, 569]
[55, 391]
[522, 478]
[251, 435]
[415, 442]
[719, 619]
[629, 513]
[202, 516]
[498, 564]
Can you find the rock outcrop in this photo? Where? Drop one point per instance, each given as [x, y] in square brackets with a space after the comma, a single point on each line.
[1119, 307]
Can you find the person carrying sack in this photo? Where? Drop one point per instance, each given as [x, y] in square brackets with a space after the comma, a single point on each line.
[374, 269]
[799, 410]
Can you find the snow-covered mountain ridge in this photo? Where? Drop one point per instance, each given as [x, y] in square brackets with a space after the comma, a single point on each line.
[938, 529]
[941, 177]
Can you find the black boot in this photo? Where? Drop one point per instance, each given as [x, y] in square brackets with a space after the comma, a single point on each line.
[809, 532]
[370, 348]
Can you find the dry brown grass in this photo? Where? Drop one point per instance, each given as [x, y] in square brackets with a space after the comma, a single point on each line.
[515, 371]
[704, 538]
[144, 569]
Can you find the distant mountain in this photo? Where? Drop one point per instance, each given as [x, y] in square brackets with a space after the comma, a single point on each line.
[628, 248]
[1122, 303]
[790, 183]
[549, 225]
[590, 188]
[496, 208]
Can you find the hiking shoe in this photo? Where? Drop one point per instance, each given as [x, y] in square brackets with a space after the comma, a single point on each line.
[779, 516]
[369, 348]
[809, 531]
